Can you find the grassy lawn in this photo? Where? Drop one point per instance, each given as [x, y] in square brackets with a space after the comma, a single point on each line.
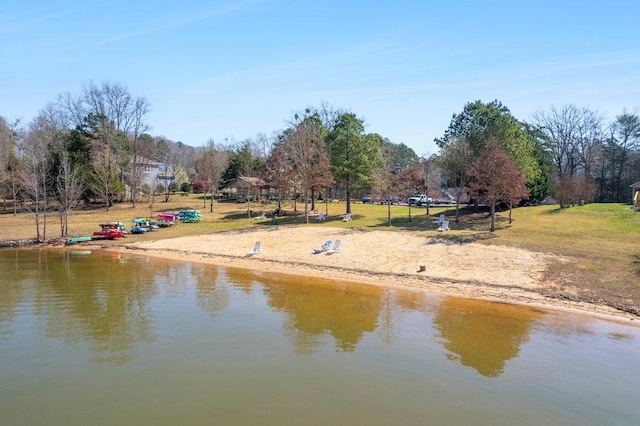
[598, 245]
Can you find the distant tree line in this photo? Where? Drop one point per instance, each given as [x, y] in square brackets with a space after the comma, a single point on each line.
[91, 147]
[571, 154]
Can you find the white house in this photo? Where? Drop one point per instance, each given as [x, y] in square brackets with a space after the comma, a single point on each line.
[153, 173]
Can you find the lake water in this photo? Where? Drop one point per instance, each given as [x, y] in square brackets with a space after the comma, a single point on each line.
[105, 339]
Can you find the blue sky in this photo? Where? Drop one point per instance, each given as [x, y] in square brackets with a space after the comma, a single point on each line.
[233, 69]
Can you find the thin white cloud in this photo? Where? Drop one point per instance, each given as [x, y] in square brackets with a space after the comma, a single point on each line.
[10, 25]
[18, 24]
[186, 17]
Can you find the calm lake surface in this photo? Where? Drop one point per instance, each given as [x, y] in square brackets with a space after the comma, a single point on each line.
[102, 339]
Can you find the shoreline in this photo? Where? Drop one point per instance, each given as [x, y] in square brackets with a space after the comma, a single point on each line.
[492, 273]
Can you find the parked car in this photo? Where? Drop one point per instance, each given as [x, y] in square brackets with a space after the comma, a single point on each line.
[367, 199]
[419, 199]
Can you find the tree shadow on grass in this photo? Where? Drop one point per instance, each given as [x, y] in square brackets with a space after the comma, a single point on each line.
[554, 211]
[288, 218]
[471, 227]
[636, 263]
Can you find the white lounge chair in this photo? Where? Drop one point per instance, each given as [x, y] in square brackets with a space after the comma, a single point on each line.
[347, 217]
[262, 216]
[320, 216]
[335, 249]
[439, 220]
[324, 247]
[444, 226]
[256, 249]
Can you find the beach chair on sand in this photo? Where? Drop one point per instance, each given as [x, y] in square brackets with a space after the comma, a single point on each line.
[347, 218]
[256, 249]
[320, 216]
[324, 247]
[444, 226]
[439, 220]
[335, 249]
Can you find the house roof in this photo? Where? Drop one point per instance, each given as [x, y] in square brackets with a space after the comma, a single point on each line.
[142, 161]
[247, 182]
[635, 185]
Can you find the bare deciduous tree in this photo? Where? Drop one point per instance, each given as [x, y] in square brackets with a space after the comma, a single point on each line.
[427, 180]
[407, 182]
[43, 141]
[210, 163]
[36, 158]
[574, 190]
[570, 133]
[138, 128]
[68, 191]
[104, 179]
[310, 164]
[276, 172]
[494, 178]
[455, 161]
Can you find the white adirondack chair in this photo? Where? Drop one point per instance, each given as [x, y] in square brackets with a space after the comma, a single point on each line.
[256, 249]
[444, 226]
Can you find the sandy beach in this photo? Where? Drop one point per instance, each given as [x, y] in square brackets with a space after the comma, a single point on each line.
[381, 258]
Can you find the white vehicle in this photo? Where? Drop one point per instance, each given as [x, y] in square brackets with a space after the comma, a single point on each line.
[419, 199]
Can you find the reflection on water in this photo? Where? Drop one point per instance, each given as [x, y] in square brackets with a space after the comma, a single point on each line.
[102, 305]
[313, 310]
[142, 331]
[483, 335]
[213, 293]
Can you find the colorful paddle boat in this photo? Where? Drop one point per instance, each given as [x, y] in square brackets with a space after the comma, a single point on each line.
[109, 231]
[189, 216]
[119, 226]
[166, 219]
[75, 240]
[140, 226]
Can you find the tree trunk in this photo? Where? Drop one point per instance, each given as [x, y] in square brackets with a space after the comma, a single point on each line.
[44, 216]
[14, 193]
[37, 211]
[313, 200]
[279, 201]
[458, 196]
[106, 194]
[492, 207]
